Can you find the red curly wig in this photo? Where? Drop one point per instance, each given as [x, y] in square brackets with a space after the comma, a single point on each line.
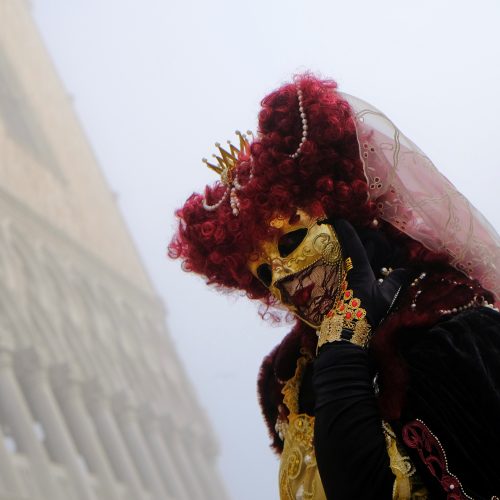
[327, 177]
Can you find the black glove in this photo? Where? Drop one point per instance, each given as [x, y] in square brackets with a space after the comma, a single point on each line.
[364, 301]
[376, 298]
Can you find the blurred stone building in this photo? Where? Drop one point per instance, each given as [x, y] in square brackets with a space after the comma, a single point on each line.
[94, 403]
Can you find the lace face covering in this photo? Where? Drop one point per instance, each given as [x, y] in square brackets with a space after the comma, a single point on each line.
[302, 266]
[313, 291]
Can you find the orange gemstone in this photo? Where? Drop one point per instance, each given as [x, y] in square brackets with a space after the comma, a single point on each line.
[347, 294]
[348, 315]
[355, 303]
[359, 314]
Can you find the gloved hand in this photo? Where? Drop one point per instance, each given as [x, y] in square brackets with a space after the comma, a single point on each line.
[365, 301]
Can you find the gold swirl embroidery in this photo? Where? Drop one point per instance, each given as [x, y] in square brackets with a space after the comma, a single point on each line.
[407, 484]
[298, 477]
[291, 388]
[328, 248]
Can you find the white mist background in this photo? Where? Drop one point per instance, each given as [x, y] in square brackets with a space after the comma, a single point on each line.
[156, 83]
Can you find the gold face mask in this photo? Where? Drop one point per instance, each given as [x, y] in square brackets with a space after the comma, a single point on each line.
[302, 266]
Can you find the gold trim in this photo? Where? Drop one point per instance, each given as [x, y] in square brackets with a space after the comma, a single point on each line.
[407, 484]
[346, 315]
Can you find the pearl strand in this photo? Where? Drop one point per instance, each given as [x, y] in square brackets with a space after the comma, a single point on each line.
[474, 302]
[234, 186]
[211, 208]
[234, 202]
[305, 126]
[414, 283]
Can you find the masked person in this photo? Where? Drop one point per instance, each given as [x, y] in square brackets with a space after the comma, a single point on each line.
[388, 386]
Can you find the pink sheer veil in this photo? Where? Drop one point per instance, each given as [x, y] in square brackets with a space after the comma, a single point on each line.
[412, 195]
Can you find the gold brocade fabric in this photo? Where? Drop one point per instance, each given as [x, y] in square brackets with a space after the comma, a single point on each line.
[299, 476]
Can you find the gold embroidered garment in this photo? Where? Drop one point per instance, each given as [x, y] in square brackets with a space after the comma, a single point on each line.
[298, 474]
[299, 477]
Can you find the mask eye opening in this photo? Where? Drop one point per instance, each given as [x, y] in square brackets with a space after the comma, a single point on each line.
[290, 241]
[265, 274]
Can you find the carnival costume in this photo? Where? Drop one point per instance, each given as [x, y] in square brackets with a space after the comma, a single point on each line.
[388, 386]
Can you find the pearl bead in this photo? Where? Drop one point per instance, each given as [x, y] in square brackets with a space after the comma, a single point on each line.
[303, 117]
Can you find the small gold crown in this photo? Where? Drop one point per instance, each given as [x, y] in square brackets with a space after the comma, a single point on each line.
[227, 160]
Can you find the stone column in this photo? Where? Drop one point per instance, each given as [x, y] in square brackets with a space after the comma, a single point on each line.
[18, 416]
[8, 472]
[67, 387]
[204, 457]
[205, 452]
[112, 440]
[145, 463]
[187, 469]
[37, 389]
[169, 468]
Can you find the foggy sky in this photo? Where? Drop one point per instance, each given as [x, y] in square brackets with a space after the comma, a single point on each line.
[156, 83]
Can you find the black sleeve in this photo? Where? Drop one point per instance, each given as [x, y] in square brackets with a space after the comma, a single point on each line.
[454, 387]
[350, 446]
